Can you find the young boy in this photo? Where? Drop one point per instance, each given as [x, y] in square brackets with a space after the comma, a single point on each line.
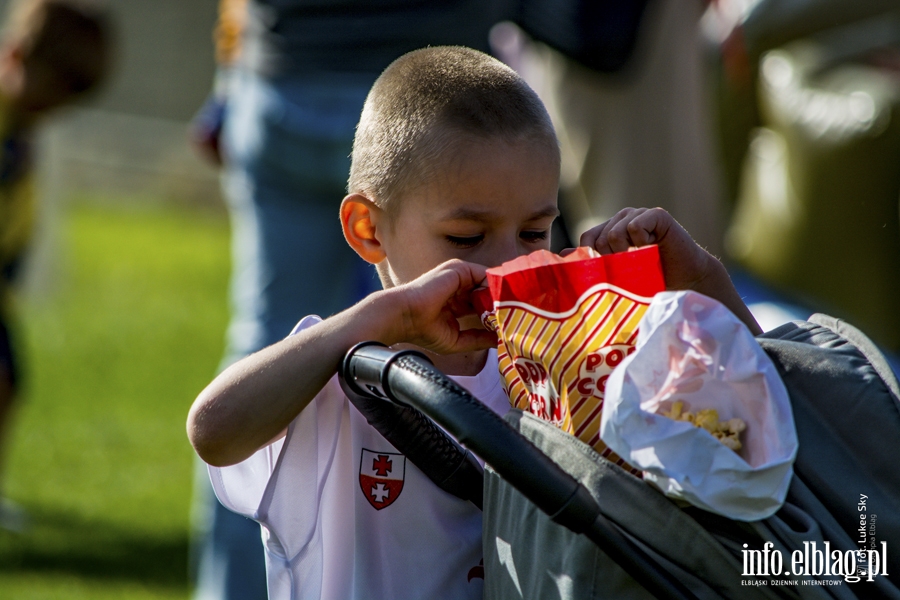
[52, 52]
[455, 169]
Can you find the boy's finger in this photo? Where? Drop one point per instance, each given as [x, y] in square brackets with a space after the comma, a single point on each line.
[460, 305]
[589, 237]
[451, 278]
[470, 274]
[470, 340]
[598, 237]
[618, 237]
[643, 230]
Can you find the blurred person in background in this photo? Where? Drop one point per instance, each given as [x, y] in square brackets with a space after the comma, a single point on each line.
[626, 86]
[811, 86]
[741, 32]
[809, 98]
[293, 78]
[52, 52]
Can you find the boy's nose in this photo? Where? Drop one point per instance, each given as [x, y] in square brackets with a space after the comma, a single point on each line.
[505, 251]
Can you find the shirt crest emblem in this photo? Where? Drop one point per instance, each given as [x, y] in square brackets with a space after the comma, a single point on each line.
[381, 477]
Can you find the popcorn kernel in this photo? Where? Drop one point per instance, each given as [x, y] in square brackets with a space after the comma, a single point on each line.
[727, 432]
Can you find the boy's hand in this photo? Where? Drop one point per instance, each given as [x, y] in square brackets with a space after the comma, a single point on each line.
[685, 264]
[432, 305]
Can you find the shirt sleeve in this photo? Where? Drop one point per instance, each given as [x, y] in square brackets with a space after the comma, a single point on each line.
[241, 487]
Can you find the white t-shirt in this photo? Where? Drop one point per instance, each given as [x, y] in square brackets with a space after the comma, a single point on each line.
[345, 516]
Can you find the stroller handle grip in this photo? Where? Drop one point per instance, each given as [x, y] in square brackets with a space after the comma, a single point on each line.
[441, 458]
[407, 377]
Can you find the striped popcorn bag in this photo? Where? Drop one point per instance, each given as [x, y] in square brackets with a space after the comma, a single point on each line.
[564, 323]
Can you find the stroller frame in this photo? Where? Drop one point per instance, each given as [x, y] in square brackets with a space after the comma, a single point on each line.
[562, 522]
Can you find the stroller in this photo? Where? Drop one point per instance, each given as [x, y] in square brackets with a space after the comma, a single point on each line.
[562, 522]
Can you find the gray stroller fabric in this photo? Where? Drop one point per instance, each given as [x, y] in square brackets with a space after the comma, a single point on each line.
[526, 555]
[845, 402]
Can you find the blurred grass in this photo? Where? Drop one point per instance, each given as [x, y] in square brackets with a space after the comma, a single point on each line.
[99, 457]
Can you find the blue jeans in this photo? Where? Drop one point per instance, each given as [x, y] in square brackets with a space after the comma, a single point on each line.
[771, 308]
[287, 145]
[287, 149]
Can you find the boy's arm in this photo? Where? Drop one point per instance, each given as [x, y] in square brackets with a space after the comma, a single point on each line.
[686, 266]
[253, 401]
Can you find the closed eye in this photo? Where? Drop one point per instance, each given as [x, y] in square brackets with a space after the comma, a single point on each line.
[465, 242]
[534, 237]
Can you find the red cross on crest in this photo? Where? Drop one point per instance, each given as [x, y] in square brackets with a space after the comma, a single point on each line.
[381, 477]
[382, 465]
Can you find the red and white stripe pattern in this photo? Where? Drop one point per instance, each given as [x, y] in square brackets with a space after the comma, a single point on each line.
[556, 364]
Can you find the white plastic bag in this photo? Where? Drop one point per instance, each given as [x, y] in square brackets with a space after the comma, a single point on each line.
[691, 348]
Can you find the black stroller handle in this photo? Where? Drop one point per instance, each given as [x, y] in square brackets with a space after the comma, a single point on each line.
[408, 378]
[450, 466]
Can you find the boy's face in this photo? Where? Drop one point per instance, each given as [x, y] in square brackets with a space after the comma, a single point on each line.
[489, 203]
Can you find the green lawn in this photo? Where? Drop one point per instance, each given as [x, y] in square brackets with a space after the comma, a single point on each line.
[115, 356]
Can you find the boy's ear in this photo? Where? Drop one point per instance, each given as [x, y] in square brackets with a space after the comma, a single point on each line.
[359, 220]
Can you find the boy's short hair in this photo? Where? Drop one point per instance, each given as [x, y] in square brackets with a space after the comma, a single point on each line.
[70, 36]
[429, 101]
